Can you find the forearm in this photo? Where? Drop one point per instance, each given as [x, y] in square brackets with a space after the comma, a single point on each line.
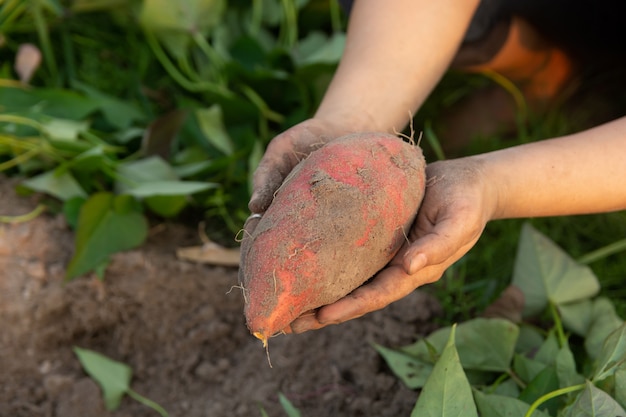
[576, 174]
[395, 54]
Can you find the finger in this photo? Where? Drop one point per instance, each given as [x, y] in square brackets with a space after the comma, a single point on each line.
[391, 284]
[441, 243]
[306, 322]
[267, 178]
[282, 154]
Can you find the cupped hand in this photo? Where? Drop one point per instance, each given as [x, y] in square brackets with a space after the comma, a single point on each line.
[458, 203]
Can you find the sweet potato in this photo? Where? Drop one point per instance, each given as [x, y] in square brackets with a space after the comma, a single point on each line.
[339, 217]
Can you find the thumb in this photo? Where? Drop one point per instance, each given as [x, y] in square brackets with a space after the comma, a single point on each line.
[445, 243]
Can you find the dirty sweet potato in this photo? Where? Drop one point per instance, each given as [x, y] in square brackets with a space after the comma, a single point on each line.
[339, 218]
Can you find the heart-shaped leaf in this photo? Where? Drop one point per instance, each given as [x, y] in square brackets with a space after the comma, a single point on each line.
[411, 370]
[604, 321]
[491, 405]
[112, 376]
[545, 273]
[593, 402]
[61, 185]
[447, 391]
[482, 344]
[107, 224]
[613, 355]
[620, 386]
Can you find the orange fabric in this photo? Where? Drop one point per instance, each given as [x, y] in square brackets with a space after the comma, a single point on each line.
[539, 69]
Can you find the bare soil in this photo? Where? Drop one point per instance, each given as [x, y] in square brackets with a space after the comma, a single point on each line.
[181, 329]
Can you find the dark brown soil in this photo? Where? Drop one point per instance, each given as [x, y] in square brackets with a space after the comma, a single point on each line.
[182, 332]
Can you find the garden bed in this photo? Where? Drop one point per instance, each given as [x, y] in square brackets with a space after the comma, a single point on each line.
[181, 329]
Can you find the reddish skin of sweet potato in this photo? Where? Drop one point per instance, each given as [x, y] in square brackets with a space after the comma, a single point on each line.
[339, 218]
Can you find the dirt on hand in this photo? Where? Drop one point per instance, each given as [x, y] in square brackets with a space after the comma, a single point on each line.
[180, 327]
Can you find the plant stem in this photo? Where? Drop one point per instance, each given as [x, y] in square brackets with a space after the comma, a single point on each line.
[518, 97]
[256, 19]
[68, 53]
[433, 141]
[498, 381]
[558, 325]
[148, 403]
[178, 76]
[516, 378]
[603, 252]
[551, 395]
[10, 12]
[44, 38]
[24, 217]
[19, 120]
[19, 159]
[289, 27]
[335, 16]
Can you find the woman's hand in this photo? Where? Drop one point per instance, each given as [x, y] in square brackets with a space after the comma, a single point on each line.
[459, 201]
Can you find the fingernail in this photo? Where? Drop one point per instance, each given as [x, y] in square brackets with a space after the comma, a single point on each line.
[417, 262]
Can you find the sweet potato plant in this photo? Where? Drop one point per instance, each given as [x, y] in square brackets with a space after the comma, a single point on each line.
[122, 112]
[560, 352]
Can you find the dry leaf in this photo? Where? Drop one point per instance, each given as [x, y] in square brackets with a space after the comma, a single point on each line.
[210, 253]
[27, 61]
[509, 305]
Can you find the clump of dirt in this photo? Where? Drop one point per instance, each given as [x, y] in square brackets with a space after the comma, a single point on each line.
[181, 329]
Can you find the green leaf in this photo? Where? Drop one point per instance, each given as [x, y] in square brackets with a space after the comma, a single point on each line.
[620, 386]
[112, 376]
[577, 316]
[144, 170]
[544, 272]
[119, 113]
[604, 321]
[412, 371]
[529, 339]
[89, 161]
[508, 388]
[157, 183]
[156, 188]
[63, 129]
[593, 402]
[288, 406]
[174, 22]
[447, 391]
[548, 350]
[492, 405]
[613, 355]
[545, 381]
[212, 126]
[60, 185]
[71, 210]
[166, 205]
[526, 368]
[191, 169]
[317, 48]
[566, 368]
[107, 224]
[483, 344]
[64, 104]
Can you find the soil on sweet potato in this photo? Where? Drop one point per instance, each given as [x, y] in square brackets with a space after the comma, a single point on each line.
[182, 332]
